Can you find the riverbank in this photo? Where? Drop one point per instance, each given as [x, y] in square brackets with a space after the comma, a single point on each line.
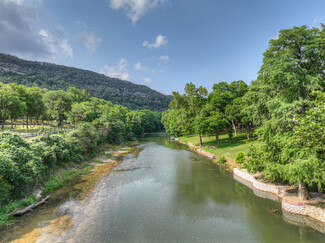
[287, 195]
[90, 171]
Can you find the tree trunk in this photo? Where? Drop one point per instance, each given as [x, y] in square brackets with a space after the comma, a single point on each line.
[303, 193]
[217, 137]
[234, 126]
[15, 123]
[27, 122]
[248, 132]
[3, 124]
[303, 108]
[200, 139]
[12, 124]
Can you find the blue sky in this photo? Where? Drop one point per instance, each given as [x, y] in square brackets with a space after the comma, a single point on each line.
[160, 43]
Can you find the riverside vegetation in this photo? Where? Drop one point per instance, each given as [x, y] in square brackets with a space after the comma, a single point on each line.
[27, 165]
[285, 107]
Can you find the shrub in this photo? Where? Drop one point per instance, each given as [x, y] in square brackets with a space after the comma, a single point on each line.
[20, 166]
[240, 158]
[55, 149]
[222, 160]
[87, 136]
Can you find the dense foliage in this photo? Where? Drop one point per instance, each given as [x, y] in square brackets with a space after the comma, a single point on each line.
[196, 111]
[283, 102]
[57, 77]
[286, 102]
[25, 164]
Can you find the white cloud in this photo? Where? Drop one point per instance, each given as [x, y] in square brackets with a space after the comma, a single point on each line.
[147, 80]
[135, 8]
[119, 71]
[160, 41]
[164, 58]
[90, 41]
[55, 45]
[139, 67]
[17, 2]
[20, 35]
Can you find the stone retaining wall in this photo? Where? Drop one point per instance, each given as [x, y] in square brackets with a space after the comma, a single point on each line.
[303, 221]
[257, 192]
[274, 193]
[306, 210]
[277, 190]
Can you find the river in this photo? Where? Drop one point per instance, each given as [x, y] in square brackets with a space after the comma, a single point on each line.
[166, 194]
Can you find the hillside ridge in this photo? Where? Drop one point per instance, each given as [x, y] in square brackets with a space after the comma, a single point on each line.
[55, 77]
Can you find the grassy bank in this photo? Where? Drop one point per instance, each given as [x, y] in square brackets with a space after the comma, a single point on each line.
[228, 148]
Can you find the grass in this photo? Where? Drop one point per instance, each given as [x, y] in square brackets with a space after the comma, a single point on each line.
[211, 139]
[230, 150]
[227, 148]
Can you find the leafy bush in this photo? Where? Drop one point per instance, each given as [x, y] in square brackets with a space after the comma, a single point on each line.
[54, 149]
[240, 158]
[87, 136]
[222, 160]
[20, 166]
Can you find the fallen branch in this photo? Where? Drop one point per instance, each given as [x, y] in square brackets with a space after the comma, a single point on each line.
[273, 210]
[18, 212]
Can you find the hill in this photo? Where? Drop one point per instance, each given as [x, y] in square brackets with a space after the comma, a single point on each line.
[55, 77]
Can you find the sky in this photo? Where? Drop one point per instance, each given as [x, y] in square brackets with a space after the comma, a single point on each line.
[163, 44]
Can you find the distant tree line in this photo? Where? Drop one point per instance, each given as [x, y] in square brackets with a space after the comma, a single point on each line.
[286, 103]
[35, 105]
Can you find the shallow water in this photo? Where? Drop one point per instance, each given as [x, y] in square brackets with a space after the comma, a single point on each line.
[167, 194]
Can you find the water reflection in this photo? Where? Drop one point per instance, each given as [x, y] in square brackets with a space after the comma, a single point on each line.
[180, 197]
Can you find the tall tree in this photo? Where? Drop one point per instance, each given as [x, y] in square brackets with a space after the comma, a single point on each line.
[196, 98]
[212, 120]
[8, 102]
[293, 67]
[59, 104]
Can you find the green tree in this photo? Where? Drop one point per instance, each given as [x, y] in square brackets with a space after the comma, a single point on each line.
[227, 99]
[212, 120]
[78, 95]
[84, 111]
[9, 101]
[135, 123]
[196, 98]
[293, 67]
[233, 112]
[306, 151]
[59, 104]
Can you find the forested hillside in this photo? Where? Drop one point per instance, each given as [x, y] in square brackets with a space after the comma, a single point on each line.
[57, 77]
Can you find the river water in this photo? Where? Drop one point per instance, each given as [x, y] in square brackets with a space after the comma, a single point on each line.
[168, 194]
